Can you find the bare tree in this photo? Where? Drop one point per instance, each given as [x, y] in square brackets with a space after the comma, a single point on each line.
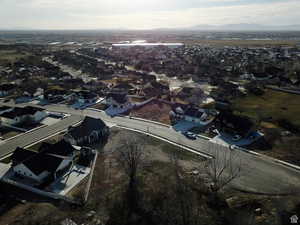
[223, 168]
[183, 205]
[132, 157]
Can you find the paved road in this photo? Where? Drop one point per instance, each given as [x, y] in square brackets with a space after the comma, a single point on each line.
[26, 139]
[258, 173]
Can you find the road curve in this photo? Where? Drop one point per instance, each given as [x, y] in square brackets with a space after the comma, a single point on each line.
[259, 174]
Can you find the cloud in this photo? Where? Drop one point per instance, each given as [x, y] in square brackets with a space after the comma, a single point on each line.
[140, 14]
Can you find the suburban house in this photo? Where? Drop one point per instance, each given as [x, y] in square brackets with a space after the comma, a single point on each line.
[51, 162]
[86, 97]
[124, 87]
[192, 113]
[7, 89]
[56, 94]
[90, 131]
[230, 124]
[118, 100]
[154, 88]
[19, 115]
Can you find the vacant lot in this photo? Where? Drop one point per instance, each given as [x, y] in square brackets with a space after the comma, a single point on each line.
[273, 105]
[157, 185]
[155, 110]
[268, 110]
[108, 181]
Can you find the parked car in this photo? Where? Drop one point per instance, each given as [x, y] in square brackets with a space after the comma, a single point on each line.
[236, 138]
[190, 135]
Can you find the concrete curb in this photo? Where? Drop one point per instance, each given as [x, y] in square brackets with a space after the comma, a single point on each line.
[50, 136]
[205, 155]
[263, 193]
[149, 121]
[270, 158]
[97, 110]
[29, 131]
[134, 118]
[207, 138]
[204, 137]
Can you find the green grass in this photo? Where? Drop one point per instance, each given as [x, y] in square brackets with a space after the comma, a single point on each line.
[10, 134]
[6, 160]
[275, 104]
[12, 55]
[170, 149]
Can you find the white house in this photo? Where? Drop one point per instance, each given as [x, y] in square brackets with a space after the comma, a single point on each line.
[192, 114]
[51, 162]
[19, 115]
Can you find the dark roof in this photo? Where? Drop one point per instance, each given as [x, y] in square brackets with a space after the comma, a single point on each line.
[193, 112]
[61, 148]
[188, 109]
[123, 86]
[156, 85]
[55, 92]
[42, 162]
[238, 124]
[7, 87]
[86, 94]
[88, 125]
[45, 160]
[21, 154]
[118, 97]
[16, 112]
[2, 108]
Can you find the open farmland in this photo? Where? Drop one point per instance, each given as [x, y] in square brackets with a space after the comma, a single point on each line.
[11, 56]
[274, 105]
[275, 112]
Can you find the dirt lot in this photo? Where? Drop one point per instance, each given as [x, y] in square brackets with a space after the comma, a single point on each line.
[155, 110]
[109, 181]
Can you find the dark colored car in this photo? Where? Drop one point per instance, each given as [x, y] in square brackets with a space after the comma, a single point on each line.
[190, 135]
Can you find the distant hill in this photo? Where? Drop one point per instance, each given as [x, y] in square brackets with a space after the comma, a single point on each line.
[246, 26]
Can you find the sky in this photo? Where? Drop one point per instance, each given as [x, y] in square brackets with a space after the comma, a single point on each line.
[143, 14]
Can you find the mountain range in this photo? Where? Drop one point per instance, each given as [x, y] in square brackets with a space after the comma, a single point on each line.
[247, 27]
